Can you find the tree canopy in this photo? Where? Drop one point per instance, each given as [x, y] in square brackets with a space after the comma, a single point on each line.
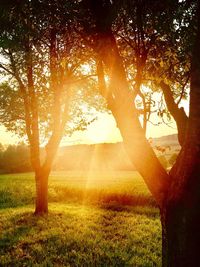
[135, 49]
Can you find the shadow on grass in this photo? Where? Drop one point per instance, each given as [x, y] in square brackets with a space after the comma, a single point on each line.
[77, 236]
[101, 197]
[127, 200]
[18, 197]
[15, 231]
[15, 198]
[146, 209]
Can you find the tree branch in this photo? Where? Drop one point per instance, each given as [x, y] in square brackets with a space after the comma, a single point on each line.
[137, 147]
[177, 113]
[7, 70]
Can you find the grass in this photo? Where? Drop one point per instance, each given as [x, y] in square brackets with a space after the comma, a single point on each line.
[121, 188]
[94, 220]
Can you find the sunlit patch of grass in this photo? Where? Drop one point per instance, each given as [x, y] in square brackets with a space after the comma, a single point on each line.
[80, 235]
[111, 221]
[115, 189]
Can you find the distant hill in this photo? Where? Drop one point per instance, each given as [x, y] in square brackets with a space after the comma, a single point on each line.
[105, 156]
[99, 157]
[166, 140]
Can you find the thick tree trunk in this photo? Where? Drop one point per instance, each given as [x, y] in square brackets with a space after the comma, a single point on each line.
[41, 179]
[180, 236]
[180, 217]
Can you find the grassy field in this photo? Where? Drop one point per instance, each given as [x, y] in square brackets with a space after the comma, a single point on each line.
[95, 219]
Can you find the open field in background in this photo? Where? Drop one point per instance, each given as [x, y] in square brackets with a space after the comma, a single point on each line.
[120, 188]
[95, 219]
[102, 157]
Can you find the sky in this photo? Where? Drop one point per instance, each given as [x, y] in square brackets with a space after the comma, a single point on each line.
[102, 130]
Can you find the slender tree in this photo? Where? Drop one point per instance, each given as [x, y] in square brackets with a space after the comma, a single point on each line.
[40, 61]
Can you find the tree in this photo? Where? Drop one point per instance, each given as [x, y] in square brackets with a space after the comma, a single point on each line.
[1, 155]
[154, 56]
[15, 158]
[176, 193]
[40, 61]
[167, 65]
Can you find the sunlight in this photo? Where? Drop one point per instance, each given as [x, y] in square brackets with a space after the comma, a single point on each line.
[99, 104]
[103, 130]
[7, 137]
[86, 69]
[99, 175]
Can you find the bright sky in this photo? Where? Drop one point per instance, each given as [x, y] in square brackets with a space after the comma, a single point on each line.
[103, 130]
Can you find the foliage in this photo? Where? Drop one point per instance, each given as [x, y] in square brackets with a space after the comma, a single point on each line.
[11, 108]
[22, 26]
[155, 47]
[15, 158]
[41, 59]
[155, 42]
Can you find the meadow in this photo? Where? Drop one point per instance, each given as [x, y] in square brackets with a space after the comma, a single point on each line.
[95, 219]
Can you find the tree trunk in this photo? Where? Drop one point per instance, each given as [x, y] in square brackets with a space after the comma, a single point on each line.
[41, 179]
[180, 217]
[121, 104]
[180, 236]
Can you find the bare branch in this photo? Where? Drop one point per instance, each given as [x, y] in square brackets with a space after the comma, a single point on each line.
[7, 70]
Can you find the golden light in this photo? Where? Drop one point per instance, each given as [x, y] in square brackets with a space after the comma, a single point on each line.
[86, 69]
[103, 130]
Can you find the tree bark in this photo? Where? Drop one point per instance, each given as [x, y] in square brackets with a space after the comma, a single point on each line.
[180, 233]
[181, 216]
[41, 204]
[177, 113]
